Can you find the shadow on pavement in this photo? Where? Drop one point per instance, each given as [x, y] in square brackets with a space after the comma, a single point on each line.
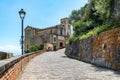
[97, 67]
[101, 69]
[64, 57]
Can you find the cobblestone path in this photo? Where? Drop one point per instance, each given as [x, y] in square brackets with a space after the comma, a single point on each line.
[56, 66]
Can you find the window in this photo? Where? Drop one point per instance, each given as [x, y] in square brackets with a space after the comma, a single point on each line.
[61, 31]
[69, 27]
[54, 39]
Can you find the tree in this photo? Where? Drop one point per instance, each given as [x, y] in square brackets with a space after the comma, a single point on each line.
[75, 16]
[92, 15]
[103, 8]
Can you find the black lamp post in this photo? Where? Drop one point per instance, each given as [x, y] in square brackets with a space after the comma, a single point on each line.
[22, 16]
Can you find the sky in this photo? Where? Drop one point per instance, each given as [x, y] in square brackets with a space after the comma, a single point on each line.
[39, 13]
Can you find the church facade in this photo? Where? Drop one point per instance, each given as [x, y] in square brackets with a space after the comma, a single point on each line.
[51, 38]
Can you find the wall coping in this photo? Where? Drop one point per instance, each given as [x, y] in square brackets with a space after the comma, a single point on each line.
[7, 63]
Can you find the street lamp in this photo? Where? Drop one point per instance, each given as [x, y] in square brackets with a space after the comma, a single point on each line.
[22, 16]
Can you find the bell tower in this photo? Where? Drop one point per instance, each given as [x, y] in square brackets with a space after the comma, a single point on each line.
[67, 27]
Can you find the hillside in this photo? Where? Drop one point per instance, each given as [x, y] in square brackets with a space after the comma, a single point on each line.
[95, 17]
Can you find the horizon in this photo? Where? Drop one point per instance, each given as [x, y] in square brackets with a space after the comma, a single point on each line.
[39, 14]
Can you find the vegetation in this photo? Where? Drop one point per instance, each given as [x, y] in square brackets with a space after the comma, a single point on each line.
[35, 48]
[94, 18]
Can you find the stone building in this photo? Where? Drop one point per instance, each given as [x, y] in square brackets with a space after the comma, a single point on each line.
[5, 55]
[51, 38]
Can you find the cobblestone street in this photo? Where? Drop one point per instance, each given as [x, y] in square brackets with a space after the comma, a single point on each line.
[56, 66]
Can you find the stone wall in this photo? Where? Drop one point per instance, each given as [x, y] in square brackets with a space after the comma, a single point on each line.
[102, 49]
[11, 68]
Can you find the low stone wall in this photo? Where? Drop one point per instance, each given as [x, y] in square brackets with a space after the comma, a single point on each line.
[102, 49]
[11, 68]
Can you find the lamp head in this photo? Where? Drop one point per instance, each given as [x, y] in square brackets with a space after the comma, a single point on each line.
[22, 14]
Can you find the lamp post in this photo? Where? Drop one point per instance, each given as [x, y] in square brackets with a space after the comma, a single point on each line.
[22, 16]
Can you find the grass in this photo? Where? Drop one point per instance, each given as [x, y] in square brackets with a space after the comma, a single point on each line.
[95, 31]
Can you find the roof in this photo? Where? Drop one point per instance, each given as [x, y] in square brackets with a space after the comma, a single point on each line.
[2, 52]
[56, 26]
[43, 28]
[32, 27]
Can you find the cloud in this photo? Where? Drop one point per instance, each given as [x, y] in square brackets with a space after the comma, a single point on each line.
[10, 48]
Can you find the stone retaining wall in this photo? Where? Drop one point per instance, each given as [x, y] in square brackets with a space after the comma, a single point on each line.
[102, 49]
[11, 68]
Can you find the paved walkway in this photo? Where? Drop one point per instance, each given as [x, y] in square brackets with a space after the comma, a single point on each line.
[56, 66]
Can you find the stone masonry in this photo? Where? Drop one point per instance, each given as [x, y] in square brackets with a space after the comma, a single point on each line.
[11, 68]
[102, 49]
[51, 38]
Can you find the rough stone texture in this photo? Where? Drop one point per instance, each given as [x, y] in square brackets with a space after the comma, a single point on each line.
[57, 66]
[102, 49]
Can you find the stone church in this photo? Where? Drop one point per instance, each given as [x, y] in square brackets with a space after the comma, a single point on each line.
[51, 38]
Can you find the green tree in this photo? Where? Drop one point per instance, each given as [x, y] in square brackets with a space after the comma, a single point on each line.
[79, 27]
[103, 8]
[93, 18]
[75, 16]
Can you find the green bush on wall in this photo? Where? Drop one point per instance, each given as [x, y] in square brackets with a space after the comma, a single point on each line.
[34, 48]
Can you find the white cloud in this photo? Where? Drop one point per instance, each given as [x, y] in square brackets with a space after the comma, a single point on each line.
[10, 48]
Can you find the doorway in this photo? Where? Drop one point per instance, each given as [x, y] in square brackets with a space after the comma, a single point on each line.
[55, 48]
[61, 45]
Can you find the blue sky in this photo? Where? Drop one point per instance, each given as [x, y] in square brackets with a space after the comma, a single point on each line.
[39, 13]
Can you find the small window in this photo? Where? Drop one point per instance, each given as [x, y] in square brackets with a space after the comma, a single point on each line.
[63, 25]
[61, 31]
[54, 39]
[68, 26]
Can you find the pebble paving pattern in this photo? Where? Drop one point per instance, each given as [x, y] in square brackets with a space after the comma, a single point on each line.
[57, 66]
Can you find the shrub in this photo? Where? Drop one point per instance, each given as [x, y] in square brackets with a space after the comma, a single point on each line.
[96, 31]
[79, 28]
[72, 39]
[34, 48]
